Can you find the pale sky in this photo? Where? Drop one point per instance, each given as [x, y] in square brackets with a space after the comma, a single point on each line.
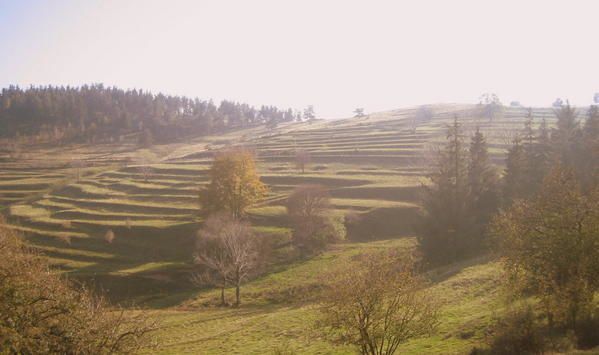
[333, 54]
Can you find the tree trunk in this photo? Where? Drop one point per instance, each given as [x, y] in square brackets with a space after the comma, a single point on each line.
[222, 293]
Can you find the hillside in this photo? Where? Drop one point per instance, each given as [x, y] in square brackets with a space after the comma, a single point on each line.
[373, 165]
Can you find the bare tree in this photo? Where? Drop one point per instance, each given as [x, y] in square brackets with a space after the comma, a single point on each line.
[302, 158]
[359, 112]
[144, 161]
[226, 246]
[378, 304]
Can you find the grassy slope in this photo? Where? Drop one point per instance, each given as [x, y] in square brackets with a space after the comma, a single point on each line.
[469, 295]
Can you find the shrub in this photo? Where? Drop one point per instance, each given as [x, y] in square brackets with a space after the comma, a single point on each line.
[517, 333]
[587, 330]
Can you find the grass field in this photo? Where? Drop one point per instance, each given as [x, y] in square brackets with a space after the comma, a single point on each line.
[374, 167]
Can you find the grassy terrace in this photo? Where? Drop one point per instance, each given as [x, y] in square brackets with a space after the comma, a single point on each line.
[373, 167]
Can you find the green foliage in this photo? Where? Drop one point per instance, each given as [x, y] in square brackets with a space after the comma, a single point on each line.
[95, 112]
[234, 184]
[459, 201]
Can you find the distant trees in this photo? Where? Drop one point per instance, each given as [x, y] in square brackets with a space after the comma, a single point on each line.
[41, 313]
[378, 304]
[596, 98]
[490, 106]
[359, 112]
[423, 114]
[314, 224]
[234, 184]
[558, 103]
[550, 245]
[309, 113]
[98, 113]
[459, 201]
[227, 247]
[302, 158]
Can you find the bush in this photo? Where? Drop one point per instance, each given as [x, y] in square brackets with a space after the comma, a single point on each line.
[587, 331]
[517, 333]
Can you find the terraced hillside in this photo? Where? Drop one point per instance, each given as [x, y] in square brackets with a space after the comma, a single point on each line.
[373, 166]
[66, 199]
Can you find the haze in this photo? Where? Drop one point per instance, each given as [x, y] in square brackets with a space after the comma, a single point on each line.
[335, 55]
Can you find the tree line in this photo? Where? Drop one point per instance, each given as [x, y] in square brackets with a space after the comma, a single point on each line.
[100, 113]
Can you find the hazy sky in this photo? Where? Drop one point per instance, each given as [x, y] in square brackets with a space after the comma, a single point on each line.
[334, 54]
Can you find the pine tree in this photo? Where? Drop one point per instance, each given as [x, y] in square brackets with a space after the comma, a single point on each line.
[482, 181]
[445, 228]
[516, 178]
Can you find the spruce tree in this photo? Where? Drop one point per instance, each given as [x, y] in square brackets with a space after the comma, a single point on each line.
[445, 227]
[482, 180]
[516, 177]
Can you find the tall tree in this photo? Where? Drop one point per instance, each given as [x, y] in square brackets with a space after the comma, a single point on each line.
[516, 179]
[234, 184]
[445, 228]
[482, 185]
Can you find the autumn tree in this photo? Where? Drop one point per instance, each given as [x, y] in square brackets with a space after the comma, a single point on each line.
[42, 313]
[314, 225]
[549, 244]
[234, 184]
[228, 248]
[302, 158]
[378, 304]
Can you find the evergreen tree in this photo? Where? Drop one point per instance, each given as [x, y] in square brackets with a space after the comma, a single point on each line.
[445, 227]
[516, 177]
[482, 184]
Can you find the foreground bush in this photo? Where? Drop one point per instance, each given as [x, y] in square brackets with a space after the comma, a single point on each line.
[517, 333]
[379, 304]
[41, 313]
